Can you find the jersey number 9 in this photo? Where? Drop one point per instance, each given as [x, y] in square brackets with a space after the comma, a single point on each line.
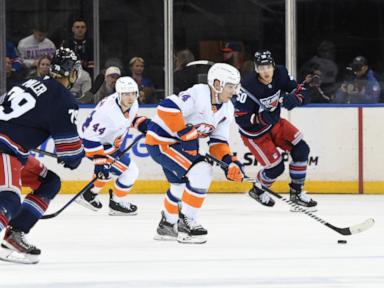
[16, 103]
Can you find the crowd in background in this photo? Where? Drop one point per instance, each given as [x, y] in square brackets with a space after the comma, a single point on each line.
[355, 84]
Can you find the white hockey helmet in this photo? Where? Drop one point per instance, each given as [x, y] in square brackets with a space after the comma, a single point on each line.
[125, 85]
[225, 73]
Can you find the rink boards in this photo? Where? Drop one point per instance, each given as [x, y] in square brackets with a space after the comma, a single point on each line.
[346, 154]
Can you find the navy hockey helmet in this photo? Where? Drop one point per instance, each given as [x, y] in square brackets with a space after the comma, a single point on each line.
[63, 62]
[263, 57]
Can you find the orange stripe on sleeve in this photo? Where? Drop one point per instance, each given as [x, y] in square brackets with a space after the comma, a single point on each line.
[174, 120]
[219, 150]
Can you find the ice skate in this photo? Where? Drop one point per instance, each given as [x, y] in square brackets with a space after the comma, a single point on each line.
[301, 198]
[121, 207]
[261, 196]
[166, 231]
[90, 200]
[189, 231]
[15, 248]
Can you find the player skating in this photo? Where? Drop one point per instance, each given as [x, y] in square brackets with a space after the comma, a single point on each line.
[173, 142]
[263, 131]
[103, 132]
[29, 115]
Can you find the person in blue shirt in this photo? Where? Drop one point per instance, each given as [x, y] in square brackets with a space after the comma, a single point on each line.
[362, 88]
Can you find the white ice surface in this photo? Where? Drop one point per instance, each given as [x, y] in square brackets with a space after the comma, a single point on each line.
[248, 246]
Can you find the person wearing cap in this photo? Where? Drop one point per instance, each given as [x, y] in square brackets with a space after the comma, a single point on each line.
[103, 86]
[362, 88]
[232, 54]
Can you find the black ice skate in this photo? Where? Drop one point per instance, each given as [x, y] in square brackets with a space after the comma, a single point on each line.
[166, 231]
[261, 196]
[15, 248]
[90, 200]
[301, 198]
[189, 231]
[121, 208]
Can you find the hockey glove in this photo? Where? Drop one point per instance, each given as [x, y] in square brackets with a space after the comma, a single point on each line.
[189, 140]
[292, 100]
[141, 123]
[234, 172]
[71, 163]
[102, 167]
[266, 118]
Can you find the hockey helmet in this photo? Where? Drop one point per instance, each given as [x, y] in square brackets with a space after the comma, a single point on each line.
[125, 85]
[225, 73]
[263, 57]
[64, 61]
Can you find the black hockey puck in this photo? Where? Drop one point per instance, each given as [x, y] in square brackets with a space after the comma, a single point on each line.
[341, 241]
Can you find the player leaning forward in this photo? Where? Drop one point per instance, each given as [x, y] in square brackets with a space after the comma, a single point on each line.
[103, 132]
[173, 142]
[30, 113]
[257, 112]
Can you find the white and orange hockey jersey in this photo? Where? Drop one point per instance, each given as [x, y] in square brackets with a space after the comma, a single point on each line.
[192, 106]
[105, 126]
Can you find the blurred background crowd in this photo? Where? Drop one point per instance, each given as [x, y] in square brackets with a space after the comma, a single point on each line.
[339, 45]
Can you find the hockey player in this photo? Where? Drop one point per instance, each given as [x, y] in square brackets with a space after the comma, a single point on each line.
[173, 142]
[103, 132]
[263, 131]
[30, 113]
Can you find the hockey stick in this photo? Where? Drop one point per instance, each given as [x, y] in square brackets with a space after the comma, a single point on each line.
[90, 184]
[46, 153]
[343, 231]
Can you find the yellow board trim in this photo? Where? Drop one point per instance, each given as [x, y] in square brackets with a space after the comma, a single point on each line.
[161, 186]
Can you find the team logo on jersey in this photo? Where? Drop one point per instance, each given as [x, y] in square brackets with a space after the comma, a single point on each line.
[204, 129]
[185, 97]
[271, 102]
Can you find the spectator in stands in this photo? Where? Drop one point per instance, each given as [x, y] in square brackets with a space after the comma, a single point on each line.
[360, 88]
[34, 46]
[103, 86]
[42, 67]
[232, 54]
[313, 78]
[13, 55]
[82, 84]
[146, 88]
[184, 76]
[325, 59]
[12, 77]
[81, 44]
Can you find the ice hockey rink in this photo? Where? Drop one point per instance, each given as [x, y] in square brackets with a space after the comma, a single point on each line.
[248, 246]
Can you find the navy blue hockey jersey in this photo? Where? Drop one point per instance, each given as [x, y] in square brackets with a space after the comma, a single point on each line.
[257, 97]
[35, 110]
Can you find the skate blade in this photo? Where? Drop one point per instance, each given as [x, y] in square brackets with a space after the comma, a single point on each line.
[159, 237]
[86, 204]
[119, 213]
[15, 257]
[186, 239]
